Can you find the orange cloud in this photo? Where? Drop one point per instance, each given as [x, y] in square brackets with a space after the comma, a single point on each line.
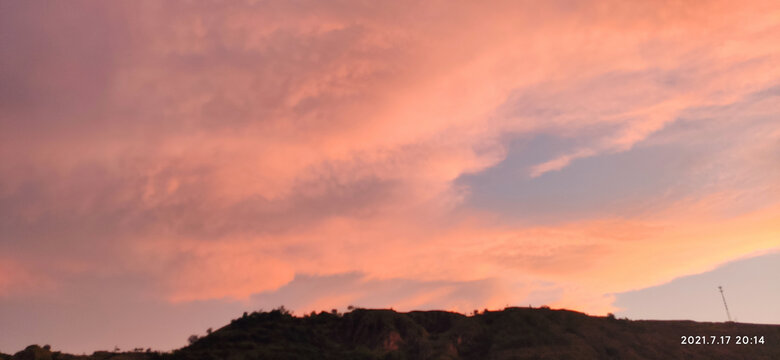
[230, 149]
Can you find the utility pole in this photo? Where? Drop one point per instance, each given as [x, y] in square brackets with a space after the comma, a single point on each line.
[724, 302]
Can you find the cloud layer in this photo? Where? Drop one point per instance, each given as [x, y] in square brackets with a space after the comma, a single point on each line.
[518, 151]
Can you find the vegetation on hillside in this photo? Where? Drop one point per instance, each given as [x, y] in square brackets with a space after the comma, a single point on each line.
[513, 333]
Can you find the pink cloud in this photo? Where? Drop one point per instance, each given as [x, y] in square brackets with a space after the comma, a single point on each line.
[220, 150]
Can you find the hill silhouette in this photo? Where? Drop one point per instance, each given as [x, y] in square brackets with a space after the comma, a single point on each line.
[513, 333]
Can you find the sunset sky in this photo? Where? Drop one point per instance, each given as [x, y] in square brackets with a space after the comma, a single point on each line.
[167, 165]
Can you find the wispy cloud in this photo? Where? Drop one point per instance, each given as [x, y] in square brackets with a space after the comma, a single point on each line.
[216, 151]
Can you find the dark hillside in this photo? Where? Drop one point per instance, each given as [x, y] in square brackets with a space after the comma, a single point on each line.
[514, 333]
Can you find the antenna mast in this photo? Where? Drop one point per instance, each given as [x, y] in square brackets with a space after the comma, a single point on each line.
[724, 302]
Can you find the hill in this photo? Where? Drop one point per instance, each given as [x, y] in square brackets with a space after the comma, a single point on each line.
[513, 333]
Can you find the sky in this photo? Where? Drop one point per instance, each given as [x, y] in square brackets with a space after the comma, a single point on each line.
[165, 166]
